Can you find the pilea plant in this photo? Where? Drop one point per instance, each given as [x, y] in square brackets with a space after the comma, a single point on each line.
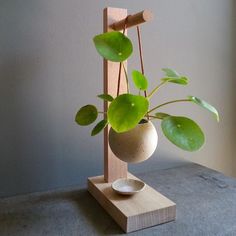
[127, 110]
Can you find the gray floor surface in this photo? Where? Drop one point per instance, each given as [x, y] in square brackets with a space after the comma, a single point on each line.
[206, 205]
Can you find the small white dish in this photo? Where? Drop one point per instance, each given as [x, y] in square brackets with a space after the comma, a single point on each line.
[128, 186]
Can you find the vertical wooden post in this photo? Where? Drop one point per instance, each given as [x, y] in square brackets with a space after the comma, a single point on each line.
[113, 167]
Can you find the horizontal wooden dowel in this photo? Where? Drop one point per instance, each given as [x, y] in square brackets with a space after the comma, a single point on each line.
[133, 20]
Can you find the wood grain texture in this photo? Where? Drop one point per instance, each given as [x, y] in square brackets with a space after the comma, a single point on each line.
[145, 209]
[113, 167]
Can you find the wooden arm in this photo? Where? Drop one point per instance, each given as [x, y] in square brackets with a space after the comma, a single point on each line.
[133, 20]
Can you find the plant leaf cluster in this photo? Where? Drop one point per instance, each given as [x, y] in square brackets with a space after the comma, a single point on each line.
[127, 110]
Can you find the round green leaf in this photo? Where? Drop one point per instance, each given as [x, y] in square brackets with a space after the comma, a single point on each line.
[99, 127]
[161, 115]
[183, 132]
[113, 46]
[140, 80]
[125, 112]
[106, 97]
[170, 73]
[86, 115]
[205, 105]
[177, 80]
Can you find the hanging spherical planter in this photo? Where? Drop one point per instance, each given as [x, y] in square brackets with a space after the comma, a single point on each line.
[135, 145]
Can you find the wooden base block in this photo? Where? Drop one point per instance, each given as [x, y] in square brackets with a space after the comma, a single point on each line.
[142, 210]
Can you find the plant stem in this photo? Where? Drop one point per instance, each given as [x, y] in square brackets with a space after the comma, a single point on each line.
[154, 117]
[101, 112]
[126, 76]
[163, 104]
[156, 88]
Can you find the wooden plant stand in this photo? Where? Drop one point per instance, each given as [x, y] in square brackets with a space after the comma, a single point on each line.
[149, 207]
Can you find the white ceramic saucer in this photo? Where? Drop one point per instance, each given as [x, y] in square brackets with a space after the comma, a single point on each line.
[128, 186]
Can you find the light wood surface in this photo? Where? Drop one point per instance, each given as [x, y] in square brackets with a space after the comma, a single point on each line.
[113, 167]
[133, 20]
[142, 210]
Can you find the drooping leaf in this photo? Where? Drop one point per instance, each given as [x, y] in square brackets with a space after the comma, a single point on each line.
[126, 110]
[113, 46]
[161, 115]
[205, 105]
[140, 80]
[170, 73]
[183, 132]
[99, 127]
[177, 80]
[173, 77]
[106, 97]
[86, 115]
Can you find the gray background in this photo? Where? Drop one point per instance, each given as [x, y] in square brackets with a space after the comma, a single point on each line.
[49, 68]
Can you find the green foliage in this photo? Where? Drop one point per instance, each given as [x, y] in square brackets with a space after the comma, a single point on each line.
[170, 73]
[106, 97]
[183, 132]
[140, 80]
[99, 127]
[125, 112]
[86, 115]
[174, 77]
[176, 80]
[205, 105]
[113, 46]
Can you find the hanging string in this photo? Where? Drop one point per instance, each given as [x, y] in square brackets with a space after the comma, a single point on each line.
[141, 54]
[119, 75]
[141, 58]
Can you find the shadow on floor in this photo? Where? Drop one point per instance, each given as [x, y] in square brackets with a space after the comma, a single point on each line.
[73, 212]
[96, 215]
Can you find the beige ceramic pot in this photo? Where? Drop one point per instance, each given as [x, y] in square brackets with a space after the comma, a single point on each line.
[135, 145]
